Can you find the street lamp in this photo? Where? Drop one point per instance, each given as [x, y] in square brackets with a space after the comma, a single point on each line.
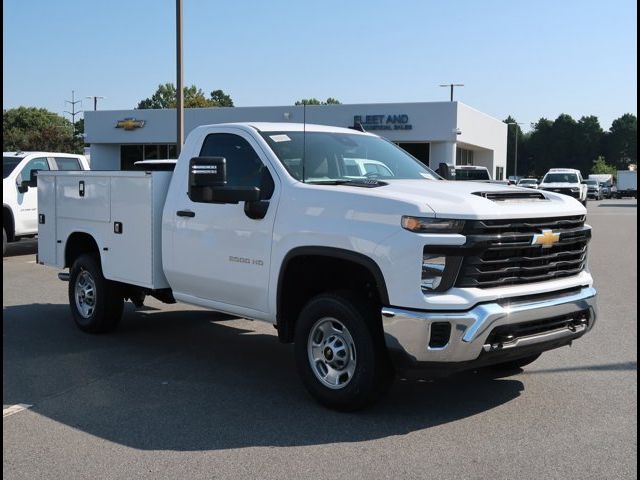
[451, 85]
[179, 79]
[515, 162]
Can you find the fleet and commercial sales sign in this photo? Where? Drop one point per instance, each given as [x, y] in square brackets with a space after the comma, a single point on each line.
[383, 122]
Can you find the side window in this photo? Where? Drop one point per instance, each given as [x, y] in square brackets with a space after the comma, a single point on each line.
[34, 164]
[67, 163]
[244, 167]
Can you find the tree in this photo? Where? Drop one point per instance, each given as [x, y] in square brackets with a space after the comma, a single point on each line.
[600, 166]
[315, 101]
[194, 97]
[30, 128]
[621, 142]
[221, 99]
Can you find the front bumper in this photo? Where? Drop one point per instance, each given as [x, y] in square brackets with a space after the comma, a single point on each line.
[408, 333]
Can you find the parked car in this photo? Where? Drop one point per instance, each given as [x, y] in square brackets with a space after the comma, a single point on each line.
[605, 189]
[566, 181]
[528, 183]
[19, 192]
[593, 189]
[368, 277]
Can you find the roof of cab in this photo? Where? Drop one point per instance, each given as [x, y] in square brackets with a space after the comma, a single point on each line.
[289, 127]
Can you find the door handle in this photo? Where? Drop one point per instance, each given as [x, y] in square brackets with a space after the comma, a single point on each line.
[185, 213]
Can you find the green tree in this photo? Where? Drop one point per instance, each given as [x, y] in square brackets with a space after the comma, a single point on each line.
[621, 142]
[221, 99]
[194, 97]
[30, 128]
[600, 166]
[315, 101]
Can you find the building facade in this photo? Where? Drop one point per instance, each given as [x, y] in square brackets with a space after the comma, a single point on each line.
[433, 132]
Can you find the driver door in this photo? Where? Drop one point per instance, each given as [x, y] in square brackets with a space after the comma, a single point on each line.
[27, 202]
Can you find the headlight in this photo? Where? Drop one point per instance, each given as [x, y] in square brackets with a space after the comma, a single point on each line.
[433, 265]
[431, 225]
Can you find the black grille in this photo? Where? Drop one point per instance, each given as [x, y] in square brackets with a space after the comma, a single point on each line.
[565, 191]
[508, 333]
[501, 251]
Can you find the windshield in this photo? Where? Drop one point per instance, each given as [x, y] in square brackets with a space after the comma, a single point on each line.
[527, 181]
[560, 178]
[592, 182]
[335, 157]
[9, 164]
[472, 174]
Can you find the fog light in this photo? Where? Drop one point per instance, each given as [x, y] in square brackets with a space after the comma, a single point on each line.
[432, 269]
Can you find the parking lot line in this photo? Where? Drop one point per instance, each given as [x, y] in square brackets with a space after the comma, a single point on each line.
[7, 411]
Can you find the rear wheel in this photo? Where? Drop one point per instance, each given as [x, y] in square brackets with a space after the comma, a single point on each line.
[340, 352]
[96, 303]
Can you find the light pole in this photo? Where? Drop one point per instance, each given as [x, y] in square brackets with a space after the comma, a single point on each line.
[95, 101]
[179, 79]
[451, 85]
[515, 155]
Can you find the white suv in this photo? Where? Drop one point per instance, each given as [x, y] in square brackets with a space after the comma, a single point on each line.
[19, 193]
[566, 181]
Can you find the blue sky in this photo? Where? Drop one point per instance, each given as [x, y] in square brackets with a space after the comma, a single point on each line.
[528, 59]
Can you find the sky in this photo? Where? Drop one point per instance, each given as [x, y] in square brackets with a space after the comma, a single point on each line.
[526, 59]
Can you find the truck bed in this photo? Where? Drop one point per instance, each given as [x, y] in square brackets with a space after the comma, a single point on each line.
[121, 210]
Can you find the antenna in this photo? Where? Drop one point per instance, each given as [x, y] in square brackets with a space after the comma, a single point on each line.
[304, 136]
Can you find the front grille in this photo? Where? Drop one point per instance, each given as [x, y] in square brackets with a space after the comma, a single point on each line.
[501, 251]
[565, 191]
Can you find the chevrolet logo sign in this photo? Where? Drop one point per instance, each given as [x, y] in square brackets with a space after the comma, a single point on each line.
[130, 124]
[546, 239]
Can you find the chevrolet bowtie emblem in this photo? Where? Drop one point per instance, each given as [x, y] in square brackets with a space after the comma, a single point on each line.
[130, 124]
[546, 239]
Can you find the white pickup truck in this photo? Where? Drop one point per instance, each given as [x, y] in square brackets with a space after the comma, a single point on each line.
[19, 194]
[368, 275]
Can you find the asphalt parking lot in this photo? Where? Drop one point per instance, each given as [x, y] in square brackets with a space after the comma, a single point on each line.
[179, 392]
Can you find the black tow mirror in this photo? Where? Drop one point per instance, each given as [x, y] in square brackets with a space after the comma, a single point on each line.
[446, 172]
[208, 183]
[31, 183]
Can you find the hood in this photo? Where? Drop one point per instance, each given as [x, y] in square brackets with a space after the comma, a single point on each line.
[451, 199]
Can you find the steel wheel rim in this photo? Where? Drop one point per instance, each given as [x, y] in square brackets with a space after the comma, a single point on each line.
[332, 353]
[85, 293]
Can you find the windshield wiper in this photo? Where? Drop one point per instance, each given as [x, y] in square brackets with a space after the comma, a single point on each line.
[368, 183]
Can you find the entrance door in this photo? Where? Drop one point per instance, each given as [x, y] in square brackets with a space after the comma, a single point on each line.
[220, 254]
[420, 150]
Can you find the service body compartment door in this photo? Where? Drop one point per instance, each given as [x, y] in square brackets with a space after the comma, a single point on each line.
[47, 220]
[128, 257]
[83, 197]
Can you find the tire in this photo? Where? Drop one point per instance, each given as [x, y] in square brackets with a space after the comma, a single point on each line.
[96, 303]
[4, 241]
[346, 336]
[515, 364]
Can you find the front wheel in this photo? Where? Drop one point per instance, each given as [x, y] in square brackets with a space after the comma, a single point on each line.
[340, 352]
[96, 303]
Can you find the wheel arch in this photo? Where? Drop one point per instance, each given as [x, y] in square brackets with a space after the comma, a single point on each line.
[78, 243]
[362, 269]
[8, 222]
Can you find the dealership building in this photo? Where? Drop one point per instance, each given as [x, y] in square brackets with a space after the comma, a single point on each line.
[433, 132]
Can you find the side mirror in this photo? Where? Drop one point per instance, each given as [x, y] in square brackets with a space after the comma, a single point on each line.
[446, 172]
[208, 183]
[32, 182]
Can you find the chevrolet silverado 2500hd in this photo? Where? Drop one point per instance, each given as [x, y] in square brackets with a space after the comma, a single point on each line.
[368, 273]
[19, 190]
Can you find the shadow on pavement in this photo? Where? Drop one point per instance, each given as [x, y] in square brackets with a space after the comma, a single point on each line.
[634, 205]
[195, 381]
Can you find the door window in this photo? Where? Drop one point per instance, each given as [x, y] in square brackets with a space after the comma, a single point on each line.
[34, 164]
[244, 167]
[67, 163]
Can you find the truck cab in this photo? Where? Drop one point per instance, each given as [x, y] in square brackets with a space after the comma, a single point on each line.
[368, 276]
[19, 190]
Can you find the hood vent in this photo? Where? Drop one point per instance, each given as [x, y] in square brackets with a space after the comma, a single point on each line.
[512, 196]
